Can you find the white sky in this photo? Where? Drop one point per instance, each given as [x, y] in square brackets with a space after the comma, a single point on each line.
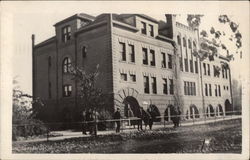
[27, 18]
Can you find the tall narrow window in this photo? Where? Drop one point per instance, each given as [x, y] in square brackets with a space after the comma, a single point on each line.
[170, 61]
[189, 44]
[184, 42]
[122, 51]
[66, 65]
[208, 69]
[191, 66]
[163, 61]
[67, 90]
[226, 73]
[196, 66]
[215, 91]
[49, 61]
[151, 30]
[66, 33]
[186, 64]
[171, 86]
[145, 56]
[165, 86]
[219, 90]
[190, 88]
[179, 40]
[194, 89]
[152, 57]
[210, 90]
[49, 89]
[181, 64]
[84, 51]
[131, 53]
[144, 28]
[154, 87]
[204, 69]
[223, 75]
[185, 88]
[146, 84]
[194, 45]
[132, 77]
[206, 94]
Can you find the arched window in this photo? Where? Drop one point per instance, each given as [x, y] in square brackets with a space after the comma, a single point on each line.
[66, 65]
[84, 51]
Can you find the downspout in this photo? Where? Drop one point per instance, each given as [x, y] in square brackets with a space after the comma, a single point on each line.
[231, 92]
[33, 68]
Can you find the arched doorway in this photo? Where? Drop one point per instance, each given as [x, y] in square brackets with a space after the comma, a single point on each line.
[228, 107]
[210, 111]
[131, 102]
[194, 112]
[168, 112]
[219, 110]
[155, 111]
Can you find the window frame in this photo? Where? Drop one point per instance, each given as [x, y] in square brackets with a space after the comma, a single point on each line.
[66, 65]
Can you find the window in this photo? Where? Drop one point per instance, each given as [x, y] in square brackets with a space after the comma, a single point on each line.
[123, 76]
[184, 42]
[163, 62]
[208, 69]
[66, 65]
[152, 57]
[131, 50]
[204, 69]
[191, 66]
[181, 64]
[84, 51]
[165, 86]
[185, 88]
[219, 90]
[194, 88]
[132, 78]
[154, 89]
[196, 66]
[49, 61]
[223, 73]
[145, 56]
[67, 90]
[151, 30]
[178, 40]
[194, 45]
[170, 65]
[215, 91]
[146, 84]
[210, 90]
[189, 44]
[144, 28]
[171, 86]
[122, 51]
[189, 88]
[206, 94]
[49, 89]
[66, 33]
[226, 73]
[186, 64]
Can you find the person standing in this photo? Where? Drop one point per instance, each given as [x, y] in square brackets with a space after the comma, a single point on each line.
[117, 117]
[140, 116]
[84, 125]
[178, 117]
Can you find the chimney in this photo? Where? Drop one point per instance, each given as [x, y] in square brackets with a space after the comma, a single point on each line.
[170, 26]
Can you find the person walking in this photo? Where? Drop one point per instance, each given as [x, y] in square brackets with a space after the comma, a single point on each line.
[117, 117]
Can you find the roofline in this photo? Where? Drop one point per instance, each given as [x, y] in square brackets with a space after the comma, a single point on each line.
[47, 41]
[147, 17]
[71, 18]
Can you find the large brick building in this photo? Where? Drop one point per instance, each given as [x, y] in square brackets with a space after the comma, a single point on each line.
[142, 61]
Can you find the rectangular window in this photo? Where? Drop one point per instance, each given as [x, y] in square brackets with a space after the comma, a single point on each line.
[154, 89]
[170, 63]
[185, 88]
[131, 50]
[181, 64]
[165, 86]
[163, 62]
[223, 73]
[171, 86]
[190, 88]
[206, 94]
[226, 73]
[144, 28]
[151, 30]
[219, 90]
[146, 84]
[191, 66]
[132, 77]
[204, 69]
[210, 90]
[194, 89]
[145, 56]
[208, 69]
[123, 76]
[122, 51]
[186, 64]
[67, 90]
[215, 91]
[66, 33]
[214, 71]
[196, 66]
[152, 57]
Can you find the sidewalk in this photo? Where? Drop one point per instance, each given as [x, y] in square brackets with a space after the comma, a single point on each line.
[70, 134]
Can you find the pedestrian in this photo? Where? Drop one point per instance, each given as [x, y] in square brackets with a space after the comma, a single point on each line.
[84, 125]
[90, 120]
[178, 117]
[140, 116]
[174, 117]
[117, 117]
[151, 117]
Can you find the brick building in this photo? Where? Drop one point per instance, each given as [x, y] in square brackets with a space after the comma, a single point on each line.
[142, 62]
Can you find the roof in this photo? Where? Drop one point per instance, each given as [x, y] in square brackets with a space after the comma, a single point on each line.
[45, 42]
[139, 15]
[79, 15]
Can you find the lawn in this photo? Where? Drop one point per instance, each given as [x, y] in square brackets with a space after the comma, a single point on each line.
[221, 137]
